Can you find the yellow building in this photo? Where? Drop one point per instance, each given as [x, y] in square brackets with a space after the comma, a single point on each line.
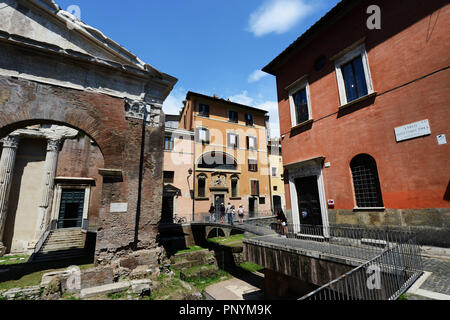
[230, 154]
[276, 175]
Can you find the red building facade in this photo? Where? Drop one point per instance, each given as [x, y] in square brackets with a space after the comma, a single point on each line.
[365, 118]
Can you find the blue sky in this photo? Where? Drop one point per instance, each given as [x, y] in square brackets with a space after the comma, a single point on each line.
[211, 46]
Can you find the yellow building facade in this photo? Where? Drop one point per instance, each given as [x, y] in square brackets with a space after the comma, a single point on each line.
[231, 163]
[276, 175]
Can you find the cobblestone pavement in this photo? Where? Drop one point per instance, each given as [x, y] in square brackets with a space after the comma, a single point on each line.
[439, 281]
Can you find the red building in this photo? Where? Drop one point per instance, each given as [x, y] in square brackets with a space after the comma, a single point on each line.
[365, 117]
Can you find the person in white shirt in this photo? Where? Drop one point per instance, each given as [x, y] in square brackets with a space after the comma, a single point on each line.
[240, 211]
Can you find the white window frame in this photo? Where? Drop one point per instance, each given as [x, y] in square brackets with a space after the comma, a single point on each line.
[347, 57]
[303, 84]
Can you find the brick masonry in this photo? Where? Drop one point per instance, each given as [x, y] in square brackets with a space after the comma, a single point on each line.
[103, 119]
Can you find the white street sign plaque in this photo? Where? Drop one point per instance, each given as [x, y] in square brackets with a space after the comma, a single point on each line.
[412, 130]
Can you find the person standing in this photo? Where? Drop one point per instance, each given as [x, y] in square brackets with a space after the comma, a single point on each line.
[282, 222]
[233, 213]
[212, 211]
[222, 213]
[240, 212]
[228, 212]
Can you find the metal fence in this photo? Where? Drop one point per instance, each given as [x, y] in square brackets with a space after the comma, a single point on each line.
[357, 243]
[385, 277]
[389, 260]
[216, 217]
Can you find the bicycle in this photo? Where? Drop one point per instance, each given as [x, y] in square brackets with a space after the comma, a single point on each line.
[179, 220]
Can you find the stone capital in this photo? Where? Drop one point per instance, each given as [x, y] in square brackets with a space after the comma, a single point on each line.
[140, 110]
[11, 141]
[53, 145]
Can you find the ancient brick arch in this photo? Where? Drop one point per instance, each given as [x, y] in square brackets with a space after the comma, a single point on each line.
[100, 116]
[130, 165]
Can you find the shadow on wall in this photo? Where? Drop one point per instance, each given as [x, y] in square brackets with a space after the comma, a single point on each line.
[171, 237]
[447, 192]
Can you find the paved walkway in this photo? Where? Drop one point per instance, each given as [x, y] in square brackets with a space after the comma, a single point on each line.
[435, 283]
[238, 289]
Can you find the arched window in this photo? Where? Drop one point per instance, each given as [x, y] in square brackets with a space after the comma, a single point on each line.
[366, 182]
[217, 160]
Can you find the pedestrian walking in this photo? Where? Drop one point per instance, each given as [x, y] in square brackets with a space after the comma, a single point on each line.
[240, 212]
[212, 211]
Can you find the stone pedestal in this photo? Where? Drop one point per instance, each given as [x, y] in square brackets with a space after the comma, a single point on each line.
[7, 160]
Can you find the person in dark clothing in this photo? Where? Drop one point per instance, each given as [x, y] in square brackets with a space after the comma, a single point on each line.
[222, 213]
[212, 211]
[282, 221]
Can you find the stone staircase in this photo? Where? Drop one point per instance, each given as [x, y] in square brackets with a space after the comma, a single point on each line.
[62, 244]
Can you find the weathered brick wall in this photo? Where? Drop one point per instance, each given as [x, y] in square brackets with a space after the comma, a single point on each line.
[81, 158]
[103, 119]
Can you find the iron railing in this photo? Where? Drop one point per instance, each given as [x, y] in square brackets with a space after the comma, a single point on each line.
[387, 261]
[385, 277]
[207, 217]
[360, 244]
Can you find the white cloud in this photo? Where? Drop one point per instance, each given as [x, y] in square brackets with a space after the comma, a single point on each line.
[278, 16]
[270, 106]
[174, 102]
[256, 76]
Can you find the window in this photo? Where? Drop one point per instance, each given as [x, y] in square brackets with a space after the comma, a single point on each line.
[252, 165]
[366, 182]
[202, 135]
[254, 186]
[201, 186]
[275, 188]
[274, 171]
[299, 101]
[234, 187]
[262, 200]
[233, 116]
[301, 106]
[353, 75]
[169, 176]
[168, 143]
[249, 119]
[203, 110]
[233, 140]
[251, 143]
[354, 79]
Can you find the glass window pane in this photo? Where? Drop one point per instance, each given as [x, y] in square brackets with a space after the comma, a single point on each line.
[301, 106]
[360, 77]
[349, 80]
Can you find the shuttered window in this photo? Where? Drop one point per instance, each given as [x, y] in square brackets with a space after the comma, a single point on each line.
[254, 187]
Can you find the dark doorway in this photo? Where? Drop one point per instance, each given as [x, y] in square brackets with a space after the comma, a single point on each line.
[308, 203]
[276, 203]
[167, 210]
[252, 207]
[218, 200]
[71, 208]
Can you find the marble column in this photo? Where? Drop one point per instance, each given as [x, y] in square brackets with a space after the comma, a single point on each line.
[51, 163]
[7, 160]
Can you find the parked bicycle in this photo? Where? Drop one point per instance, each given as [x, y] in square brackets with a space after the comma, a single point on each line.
[179, 220]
